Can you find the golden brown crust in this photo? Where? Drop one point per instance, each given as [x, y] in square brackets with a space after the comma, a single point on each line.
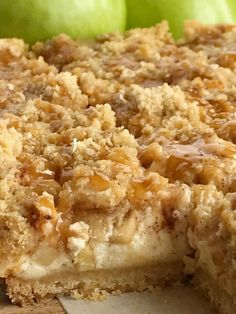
[94, 285]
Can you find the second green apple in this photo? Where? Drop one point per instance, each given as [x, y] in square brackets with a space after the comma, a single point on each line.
[144, 13]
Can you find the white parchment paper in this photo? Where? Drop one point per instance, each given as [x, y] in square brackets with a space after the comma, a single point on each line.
[177, 300]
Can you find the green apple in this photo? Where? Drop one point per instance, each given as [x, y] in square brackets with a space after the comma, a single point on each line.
[35, 20]
[143, 13]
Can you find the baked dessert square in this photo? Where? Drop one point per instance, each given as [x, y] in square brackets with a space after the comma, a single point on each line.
[118, 164]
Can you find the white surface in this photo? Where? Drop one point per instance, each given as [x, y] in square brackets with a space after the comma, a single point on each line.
[168, 301]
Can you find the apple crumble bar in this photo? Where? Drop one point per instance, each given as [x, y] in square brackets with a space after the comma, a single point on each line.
[118, 163]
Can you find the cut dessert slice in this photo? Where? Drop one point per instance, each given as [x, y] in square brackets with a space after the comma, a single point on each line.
[78, 211]
[212, 235]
